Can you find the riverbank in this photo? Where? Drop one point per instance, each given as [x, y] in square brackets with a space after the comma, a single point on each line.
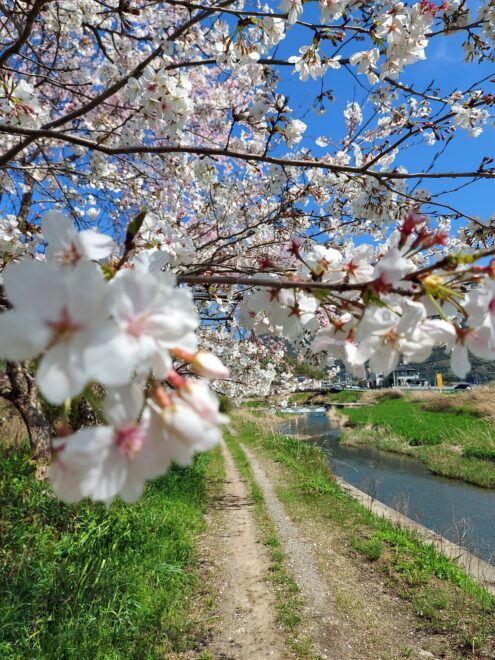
[453, 435]
[441, 598]
[477, 568]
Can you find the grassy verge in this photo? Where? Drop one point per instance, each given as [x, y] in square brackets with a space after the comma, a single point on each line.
[345, 396]
[444, 599]
[449, 437]
[255, 404]
[84, 581]
[288, 601]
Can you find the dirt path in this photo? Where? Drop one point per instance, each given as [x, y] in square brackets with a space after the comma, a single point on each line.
[350, 614]
[323, 625]
[247, 627]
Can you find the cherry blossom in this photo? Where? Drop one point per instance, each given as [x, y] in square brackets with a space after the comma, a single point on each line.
[387, 335]
[293, 131]
[106, 461]
[366, 61]
[57, 312]
[480, 305]
[149, 316]
[67, 246]
[171, 228]
[293, 8]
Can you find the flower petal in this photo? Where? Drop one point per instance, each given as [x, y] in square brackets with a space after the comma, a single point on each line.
[22, 335]
[60, 374]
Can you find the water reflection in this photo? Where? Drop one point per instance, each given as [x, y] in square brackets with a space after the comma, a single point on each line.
[463, 513]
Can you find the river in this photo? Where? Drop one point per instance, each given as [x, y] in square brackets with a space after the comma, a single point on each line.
[462, 513]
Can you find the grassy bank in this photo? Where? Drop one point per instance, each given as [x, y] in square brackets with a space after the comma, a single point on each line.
[310, 398]
[318, 398]
[449, 433]
[86, 581]
[443, 598]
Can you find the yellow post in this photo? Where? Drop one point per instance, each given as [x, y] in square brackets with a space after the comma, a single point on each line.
[439, 381]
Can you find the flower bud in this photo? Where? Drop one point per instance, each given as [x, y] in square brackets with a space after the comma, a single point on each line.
[209, 366]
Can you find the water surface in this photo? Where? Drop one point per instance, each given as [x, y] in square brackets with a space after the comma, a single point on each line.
[463, 513]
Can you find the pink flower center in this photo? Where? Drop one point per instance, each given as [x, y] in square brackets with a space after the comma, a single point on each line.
[137, 325]
[70, 256]
[64, 327]
[129, 440]
[351, 268]
[491, 306]
[391, 338]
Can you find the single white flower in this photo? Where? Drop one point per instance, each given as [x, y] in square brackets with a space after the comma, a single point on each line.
[293, 131]
[274, 29]
[149, 316]
[182, 429]
[480, 307]
[366, 61]
[68, 246]
[357, 263]
[56, 310]
[293, 9]
[392, 267]
[202, 400]
[386, 335]
[105, 461]
[478, 342]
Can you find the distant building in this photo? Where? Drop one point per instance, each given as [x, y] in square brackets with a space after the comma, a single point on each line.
[408, 376]
[404, 376]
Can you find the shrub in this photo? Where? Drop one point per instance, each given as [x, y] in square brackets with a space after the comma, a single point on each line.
[390, 394]
[480, 452]
[226, 405]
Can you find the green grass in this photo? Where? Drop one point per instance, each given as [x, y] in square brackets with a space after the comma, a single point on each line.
[255, 404]
[416, 425]
[346, 396]
[414, 570]
[288, 600]
[451, 440]
[85, 581]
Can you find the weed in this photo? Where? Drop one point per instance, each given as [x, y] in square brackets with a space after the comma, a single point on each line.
[371, 549]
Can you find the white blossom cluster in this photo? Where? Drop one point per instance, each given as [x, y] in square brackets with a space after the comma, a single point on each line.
[164, 99]
[10, 234]
[257, 367]
[123, 334]
[467, 115]
[400, 320]
[19, 103]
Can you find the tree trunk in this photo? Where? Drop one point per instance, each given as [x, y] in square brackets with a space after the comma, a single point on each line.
[24, 396]
[84, 415]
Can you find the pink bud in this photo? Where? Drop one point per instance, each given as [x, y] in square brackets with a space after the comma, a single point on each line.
[295, 246]
[208, 365]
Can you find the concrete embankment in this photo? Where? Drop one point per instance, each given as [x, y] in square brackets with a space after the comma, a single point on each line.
[477, 568]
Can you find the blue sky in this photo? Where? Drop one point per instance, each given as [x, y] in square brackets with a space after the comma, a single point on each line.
[444, 66]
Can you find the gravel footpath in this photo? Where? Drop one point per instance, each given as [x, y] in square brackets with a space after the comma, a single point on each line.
[324, 625]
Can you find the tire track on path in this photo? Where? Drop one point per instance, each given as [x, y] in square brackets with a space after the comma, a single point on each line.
[323, 624]
[247, 628]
